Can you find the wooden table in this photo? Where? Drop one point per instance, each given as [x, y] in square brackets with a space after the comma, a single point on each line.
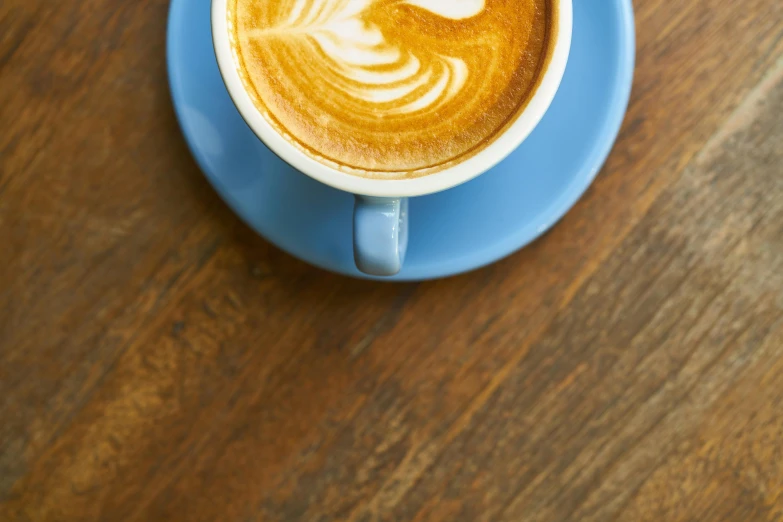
[158, 361]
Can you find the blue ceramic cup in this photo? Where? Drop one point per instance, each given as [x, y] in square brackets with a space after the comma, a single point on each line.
[380, 222]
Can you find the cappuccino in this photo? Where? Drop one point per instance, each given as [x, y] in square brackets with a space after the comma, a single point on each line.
[391, 89]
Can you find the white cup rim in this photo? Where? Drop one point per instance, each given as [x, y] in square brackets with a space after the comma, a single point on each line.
[447, 178]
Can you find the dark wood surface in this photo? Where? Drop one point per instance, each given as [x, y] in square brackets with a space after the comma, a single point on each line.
[158, 361]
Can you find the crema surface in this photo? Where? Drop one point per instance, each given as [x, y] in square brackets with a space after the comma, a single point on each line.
[391, 88]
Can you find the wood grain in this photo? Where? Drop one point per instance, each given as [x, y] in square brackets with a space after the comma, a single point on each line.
[158, 361]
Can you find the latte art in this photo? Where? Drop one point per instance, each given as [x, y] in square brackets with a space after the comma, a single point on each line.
[363, 63]
[390, 88]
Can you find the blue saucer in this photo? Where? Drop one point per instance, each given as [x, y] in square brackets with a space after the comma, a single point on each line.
[451, 232]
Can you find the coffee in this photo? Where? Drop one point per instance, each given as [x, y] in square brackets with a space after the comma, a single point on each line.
[391, 89]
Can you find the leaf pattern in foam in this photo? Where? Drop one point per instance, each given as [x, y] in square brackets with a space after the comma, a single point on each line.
[363, 64]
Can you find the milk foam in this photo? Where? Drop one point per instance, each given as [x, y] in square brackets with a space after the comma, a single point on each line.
[355, 49]
[389, 88]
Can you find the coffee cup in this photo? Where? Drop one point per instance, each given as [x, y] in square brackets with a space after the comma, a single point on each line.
[380, 224]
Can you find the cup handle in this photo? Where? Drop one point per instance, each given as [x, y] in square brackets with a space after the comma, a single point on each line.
[380, 234]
